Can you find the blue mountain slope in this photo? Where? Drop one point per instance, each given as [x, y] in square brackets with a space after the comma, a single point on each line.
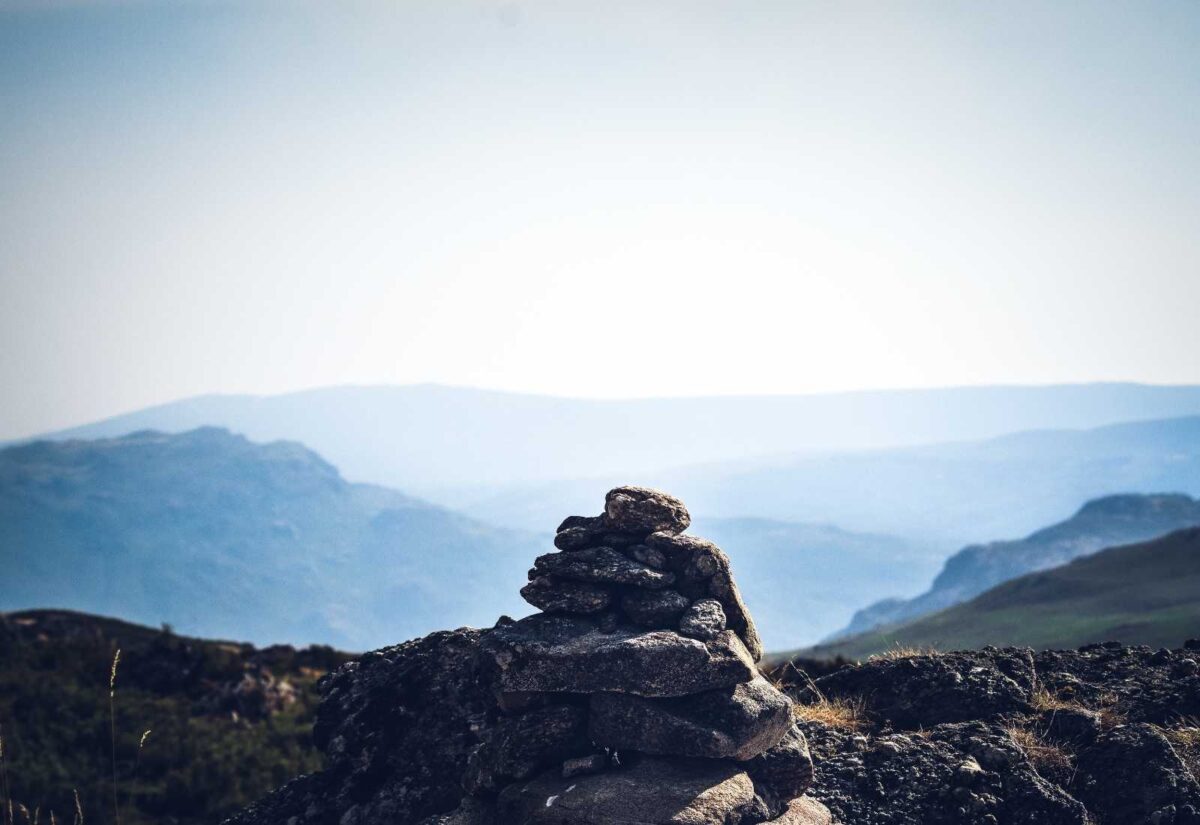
[225, 538]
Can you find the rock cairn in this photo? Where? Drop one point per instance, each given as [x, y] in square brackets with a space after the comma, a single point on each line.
[634, 697]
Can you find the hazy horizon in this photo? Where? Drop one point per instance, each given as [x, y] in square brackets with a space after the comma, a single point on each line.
[660, 200]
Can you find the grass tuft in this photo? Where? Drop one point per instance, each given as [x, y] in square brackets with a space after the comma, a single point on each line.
[1044, 700]
[898, 651]
[1043, 755]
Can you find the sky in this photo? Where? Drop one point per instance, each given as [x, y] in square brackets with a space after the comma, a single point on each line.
[592, 199]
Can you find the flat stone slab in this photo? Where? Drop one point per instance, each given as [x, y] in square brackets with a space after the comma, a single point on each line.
[652, 792]
[570, 654]
[738, 722]
[600, 565]
[554, 595]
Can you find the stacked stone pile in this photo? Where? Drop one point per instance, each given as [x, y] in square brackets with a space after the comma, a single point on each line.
[634, 697]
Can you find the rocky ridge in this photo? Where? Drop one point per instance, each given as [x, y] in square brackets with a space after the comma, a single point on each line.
[1103, 735]
[633, 698]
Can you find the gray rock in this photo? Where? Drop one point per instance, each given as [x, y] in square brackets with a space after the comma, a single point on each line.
[647, 556]
[652, 792]
[519, 747]
[805, 811]
[555, 595]
[738, 722]
[600, 565]
[584, 765]
[656, 608]
[591, 522]
[642, 510]
[784, 771]
[1132, 772]
[701, 570]
[578, 532]
[547, 652]
[703, 620]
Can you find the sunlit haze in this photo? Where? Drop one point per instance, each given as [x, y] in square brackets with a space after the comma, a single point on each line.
[610, 200]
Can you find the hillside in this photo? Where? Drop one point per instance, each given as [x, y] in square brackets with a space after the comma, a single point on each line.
[227, 721]
[1142, 594]
[225, 538]
[1101, 523]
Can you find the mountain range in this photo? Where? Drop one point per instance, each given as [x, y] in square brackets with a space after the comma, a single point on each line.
[939, 468]
[1101, 523]
[1146, 593]
[223, 537]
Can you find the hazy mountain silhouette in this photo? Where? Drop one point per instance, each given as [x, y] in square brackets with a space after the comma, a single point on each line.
[226, 538]
[1146, 594]
[425, 437]
[1099, 524]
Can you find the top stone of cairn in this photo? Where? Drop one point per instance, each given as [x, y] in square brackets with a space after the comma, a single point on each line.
[643, 510]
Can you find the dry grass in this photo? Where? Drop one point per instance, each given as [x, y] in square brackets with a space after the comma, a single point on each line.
[1186, 741]
[1043, 755]
[899, 651]
[842, 714]
[1043, 699]
[832, 713]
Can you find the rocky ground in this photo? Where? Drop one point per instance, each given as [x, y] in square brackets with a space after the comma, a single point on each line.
[1106, 734]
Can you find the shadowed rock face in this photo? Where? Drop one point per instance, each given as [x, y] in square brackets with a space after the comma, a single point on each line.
[738, 722]
[592, 713]
[573, 654]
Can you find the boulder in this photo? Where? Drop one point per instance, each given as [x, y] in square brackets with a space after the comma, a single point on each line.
[641, 510]
[555, 595]
[600, 565]
[926, 690]
[703, 620]
[519, 747]
[1133, 774]
[570, 654]
[656, 608]
[651, 792]
[738, 722]
[804, 811]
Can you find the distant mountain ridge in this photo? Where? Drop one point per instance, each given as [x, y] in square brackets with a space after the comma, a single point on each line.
[940, 496]
[421, 438]
[226, 538]
[1146, 593]
[1105, 522]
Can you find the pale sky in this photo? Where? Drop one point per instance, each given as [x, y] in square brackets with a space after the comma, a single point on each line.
[596, 199]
